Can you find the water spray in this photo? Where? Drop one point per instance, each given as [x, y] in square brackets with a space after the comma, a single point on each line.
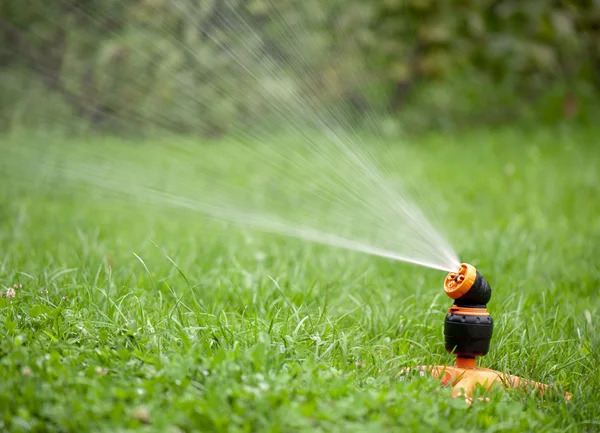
[468, 329]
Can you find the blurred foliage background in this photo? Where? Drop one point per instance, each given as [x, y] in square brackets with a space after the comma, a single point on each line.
[183, 65]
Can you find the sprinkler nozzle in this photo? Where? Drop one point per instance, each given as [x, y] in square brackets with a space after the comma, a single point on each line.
[467, 287]
[468, 326]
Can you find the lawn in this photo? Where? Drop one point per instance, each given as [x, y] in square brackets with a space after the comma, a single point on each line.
[129, 315]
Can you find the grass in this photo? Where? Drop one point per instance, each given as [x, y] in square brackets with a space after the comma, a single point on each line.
[134, 317]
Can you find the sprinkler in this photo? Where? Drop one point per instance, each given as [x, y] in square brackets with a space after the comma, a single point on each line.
[468, 326]
[468, 331]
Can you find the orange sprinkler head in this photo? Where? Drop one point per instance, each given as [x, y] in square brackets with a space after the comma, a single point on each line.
[467, 287]
[468, 326]
[459, 283]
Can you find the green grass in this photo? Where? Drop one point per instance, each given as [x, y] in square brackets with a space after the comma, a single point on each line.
[136, 317]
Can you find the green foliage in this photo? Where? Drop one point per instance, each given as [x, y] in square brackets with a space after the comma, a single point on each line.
[201, 66]
[251, 332]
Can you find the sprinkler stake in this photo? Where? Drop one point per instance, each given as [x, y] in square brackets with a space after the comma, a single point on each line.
[468, 331]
